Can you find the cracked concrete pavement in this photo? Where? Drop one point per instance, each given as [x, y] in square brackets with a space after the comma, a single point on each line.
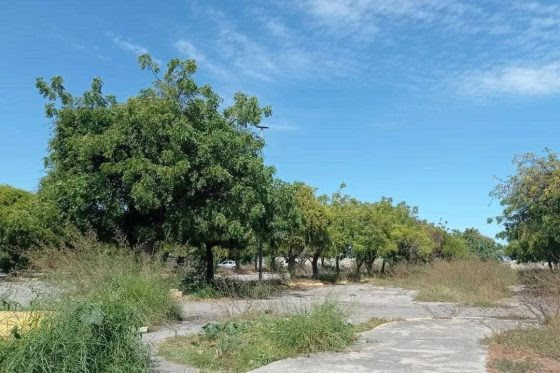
[429, 336]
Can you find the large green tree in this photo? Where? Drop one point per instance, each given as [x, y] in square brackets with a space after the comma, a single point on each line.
[287, 226]
[167, 164]
[345, 225]
[531, 215]
[316, 220]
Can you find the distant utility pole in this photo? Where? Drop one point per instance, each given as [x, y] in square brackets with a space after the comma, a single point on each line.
[261, 133]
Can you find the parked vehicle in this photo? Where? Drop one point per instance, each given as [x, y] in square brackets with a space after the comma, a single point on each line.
[227, 264]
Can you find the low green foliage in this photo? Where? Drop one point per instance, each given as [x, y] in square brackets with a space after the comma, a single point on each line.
[223, 287]
[239, 346]
[85, 335]
[480, 283]
[107, 293]
[26, 221]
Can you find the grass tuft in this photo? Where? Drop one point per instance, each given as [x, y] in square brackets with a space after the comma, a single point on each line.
[105, 294]
[372, 323]
[242, 345]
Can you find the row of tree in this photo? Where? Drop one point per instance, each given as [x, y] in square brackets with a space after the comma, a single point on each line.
[171, 165]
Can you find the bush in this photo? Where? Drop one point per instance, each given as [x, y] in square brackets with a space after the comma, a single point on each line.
[247, 344]
[223, 287]
[26, 221]
[81, 336]
[541, 295]
[106, 294]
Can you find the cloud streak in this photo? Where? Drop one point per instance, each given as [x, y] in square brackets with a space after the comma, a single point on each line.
[479, 48]
[515, 80]
[127, 45]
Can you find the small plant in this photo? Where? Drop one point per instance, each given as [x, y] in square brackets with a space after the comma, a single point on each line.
[242, 345]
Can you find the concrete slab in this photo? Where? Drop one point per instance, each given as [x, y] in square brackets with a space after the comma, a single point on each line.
[419, 345]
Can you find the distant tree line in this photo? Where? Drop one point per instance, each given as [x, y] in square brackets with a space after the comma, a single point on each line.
[172, 166]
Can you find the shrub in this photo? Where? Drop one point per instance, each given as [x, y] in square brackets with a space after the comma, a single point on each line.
[26, 221]
[81, 336]
[247, 344]
[541, 295]
[106, 294]
[222, 287]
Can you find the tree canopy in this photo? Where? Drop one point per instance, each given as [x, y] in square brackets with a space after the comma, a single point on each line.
[25, 221]
[172, 166]
[531, 215]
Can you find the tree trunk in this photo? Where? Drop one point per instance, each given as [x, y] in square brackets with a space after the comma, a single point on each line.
[256, 262]
[237, 261]
[209, 264]
[358, 266]
[369, 265]
[314, 265]
[273, 263]
[383, 266]
[337, 264]
[260, 259]
[291, 265]
[322, 262]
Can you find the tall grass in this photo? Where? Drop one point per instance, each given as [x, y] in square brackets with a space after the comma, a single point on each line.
[105, 293]
[476, 282]
[242, 345]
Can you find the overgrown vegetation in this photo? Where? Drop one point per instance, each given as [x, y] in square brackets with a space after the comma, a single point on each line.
[528, 349]
[481, 283]
[242, 345]
[541, 294]
[107, 293]
[26, 221]
[223, 287]
[532, 348]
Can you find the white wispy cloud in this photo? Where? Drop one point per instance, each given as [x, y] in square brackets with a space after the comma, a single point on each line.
[189, 50]
[513, 80]
[478, 48]
[276, 54]
[127, 45]
[364, 19]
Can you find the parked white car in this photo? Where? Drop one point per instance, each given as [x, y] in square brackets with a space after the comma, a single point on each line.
[227, 264]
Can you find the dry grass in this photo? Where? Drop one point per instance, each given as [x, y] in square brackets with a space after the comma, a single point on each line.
[15, 322]
[541, 295]
[475, 282]
[372, 323]
[536, 348]
[533, 349]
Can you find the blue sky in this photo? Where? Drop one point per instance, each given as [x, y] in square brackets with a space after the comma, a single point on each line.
[425, 101]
